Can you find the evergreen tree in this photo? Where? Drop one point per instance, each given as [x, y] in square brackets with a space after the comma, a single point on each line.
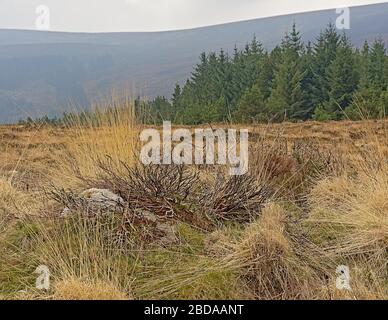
[176, 102]
[308, 107]
[324, 53]
[342, 80]
[377, 66]
[370, 101]
[252, 106]
[286, 100]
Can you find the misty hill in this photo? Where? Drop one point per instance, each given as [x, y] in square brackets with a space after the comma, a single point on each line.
[49, 72]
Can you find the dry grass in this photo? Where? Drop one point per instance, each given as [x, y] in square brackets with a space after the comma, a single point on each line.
[275, 262]
[315, 198]
[74, 289]
[95, 136]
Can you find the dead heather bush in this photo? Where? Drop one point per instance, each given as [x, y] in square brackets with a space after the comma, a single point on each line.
[233, 198]
[170, 182]
[166, 191]
[186, 193]
[75, 202]
[130, 227]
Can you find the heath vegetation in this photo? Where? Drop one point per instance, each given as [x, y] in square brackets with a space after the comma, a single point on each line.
[315, 198]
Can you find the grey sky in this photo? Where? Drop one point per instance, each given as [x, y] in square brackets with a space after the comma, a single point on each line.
[151, 15]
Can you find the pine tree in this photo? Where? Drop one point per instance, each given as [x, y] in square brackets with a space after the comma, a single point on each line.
[342, 80]
[176, 101]
[324, 53]
[252, 106]
[377, 65]
[292, 43]
[308, 107]
[364, 65]
[286, 98]
[265, 76]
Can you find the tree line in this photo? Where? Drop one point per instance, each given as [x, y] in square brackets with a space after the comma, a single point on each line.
[326, 80]
[329, 79]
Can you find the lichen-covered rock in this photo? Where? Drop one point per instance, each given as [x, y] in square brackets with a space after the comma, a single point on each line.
[102, 197]
[93, 201]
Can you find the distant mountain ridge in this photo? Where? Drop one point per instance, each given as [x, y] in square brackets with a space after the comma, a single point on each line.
[44, 72]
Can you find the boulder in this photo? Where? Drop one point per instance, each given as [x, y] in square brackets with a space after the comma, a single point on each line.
[102, 197]
[95, 200]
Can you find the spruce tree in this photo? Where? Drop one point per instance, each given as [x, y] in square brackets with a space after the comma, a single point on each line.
[377, 65]
[252, 107]
[324, 53]
[342, 80]
[286, 98]
[308, 107]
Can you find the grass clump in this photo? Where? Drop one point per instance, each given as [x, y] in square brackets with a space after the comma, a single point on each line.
[274, 262]
[76, 289]
[177, 275]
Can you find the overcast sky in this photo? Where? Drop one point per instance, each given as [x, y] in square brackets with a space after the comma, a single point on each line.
[151, 15]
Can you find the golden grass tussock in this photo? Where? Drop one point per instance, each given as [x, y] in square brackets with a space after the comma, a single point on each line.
[75, 289]
[80, 248]
[272, 260]
[350, 215]
[108, 131]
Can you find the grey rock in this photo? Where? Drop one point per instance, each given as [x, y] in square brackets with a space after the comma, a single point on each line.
[103, 198]
[96, 200]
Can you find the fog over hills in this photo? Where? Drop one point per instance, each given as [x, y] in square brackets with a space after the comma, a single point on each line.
[50, 72]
